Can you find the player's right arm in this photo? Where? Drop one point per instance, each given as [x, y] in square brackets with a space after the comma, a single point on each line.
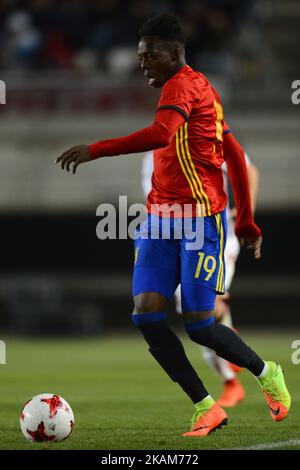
[174, 107]
[158, 135]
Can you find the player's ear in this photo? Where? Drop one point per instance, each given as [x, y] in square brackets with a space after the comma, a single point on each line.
[175, 53]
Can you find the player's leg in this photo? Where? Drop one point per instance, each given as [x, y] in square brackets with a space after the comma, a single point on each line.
[203, 329]
[222, 308]
[150, 317]
[224, 369]
[208, 414]
[199, 282]
[155, 279]
[202, 277]
[233, 391]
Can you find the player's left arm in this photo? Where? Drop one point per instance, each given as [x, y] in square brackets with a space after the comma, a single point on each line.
[253, 176]
[245, 227]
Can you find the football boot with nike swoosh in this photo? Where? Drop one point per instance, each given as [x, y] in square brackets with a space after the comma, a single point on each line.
[208, 417]
[275, 391]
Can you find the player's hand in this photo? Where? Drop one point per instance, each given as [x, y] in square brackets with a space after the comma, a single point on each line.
[74, 156]
[253, 244]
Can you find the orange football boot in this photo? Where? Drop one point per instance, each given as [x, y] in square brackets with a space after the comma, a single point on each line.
[207, 421]
[233, 394]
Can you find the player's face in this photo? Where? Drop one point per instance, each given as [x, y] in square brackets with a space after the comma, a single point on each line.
[157, 60]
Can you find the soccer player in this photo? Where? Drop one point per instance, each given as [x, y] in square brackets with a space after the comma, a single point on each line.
[187, 136]
[233, 391]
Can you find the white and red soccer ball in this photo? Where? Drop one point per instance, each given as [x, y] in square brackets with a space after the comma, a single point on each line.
[46, 417]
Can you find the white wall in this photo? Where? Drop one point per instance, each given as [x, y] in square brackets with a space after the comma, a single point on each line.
[29, 179]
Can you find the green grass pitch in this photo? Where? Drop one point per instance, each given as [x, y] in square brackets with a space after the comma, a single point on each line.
[122, 399]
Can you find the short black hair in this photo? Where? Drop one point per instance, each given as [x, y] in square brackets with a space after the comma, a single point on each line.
[167, 27]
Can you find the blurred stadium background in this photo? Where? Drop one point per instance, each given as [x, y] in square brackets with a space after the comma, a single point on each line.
[71, 76]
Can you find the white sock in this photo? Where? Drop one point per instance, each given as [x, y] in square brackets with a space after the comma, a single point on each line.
[263, 372]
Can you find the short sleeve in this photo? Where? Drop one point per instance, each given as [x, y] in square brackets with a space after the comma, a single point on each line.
[178, 94]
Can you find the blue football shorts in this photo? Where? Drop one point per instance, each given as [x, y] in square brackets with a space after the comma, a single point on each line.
[169, 258]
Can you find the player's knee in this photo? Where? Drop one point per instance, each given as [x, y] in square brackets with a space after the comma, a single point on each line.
[200, 327]
[204, 336]
[149, 302]
[192, 317]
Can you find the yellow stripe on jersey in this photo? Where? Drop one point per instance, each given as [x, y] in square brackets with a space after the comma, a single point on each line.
[194, 172]
[220, 116]
[178, 146]
[220, 278]
[183, 136]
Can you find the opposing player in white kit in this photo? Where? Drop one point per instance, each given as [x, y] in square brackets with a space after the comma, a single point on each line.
[233, 391]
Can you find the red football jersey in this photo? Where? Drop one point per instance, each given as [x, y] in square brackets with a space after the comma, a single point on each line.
[188, 170]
